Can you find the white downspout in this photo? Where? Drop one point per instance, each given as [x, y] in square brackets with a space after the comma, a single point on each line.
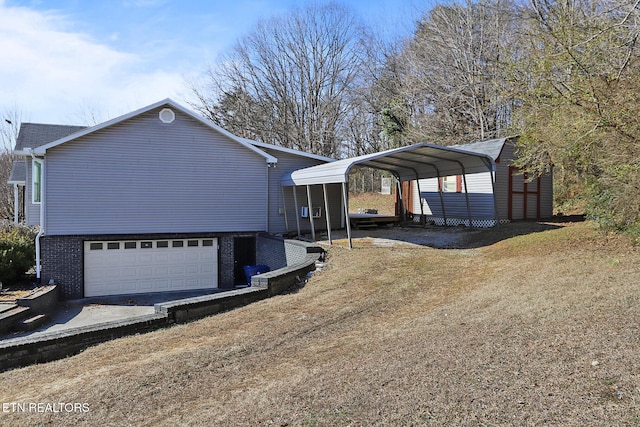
[266, 178]
[269, 166]
[42, 199]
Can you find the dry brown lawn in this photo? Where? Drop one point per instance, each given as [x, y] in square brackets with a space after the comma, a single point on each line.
[532, 324]
[384, 203]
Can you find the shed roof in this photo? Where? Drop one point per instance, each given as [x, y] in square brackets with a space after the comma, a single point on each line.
[490, 147]
[416, 161]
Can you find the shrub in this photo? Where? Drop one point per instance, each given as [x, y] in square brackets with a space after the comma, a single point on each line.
[17, 251]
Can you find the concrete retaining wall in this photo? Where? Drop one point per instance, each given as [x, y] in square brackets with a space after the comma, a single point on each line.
[43, 301]
[56, 345]
[188, 309]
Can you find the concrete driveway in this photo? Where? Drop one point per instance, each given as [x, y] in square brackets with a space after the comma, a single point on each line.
[93, 311]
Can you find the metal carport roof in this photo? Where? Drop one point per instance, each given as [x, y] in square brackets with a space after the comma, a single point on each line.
[413, 162]
[416, 161]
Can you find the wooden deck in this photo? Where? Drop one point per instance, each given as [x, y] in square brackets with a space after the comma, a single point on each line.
[362, 221]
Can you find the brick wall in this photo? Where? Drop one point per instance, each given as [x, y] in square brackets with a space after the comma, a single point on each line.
[226, 262]
[271, 251]
[62, 260]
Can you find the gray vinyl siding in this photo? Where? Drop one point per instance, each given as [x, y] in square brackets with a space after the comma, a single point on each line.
[455, 204]
[145, 176]
[317, 199]
[32, 210]
[280, 200]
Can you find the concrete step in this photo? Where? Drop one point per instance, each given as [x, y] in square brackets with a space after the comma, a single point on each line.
[31, 323]
[7, 306]
[11, 317]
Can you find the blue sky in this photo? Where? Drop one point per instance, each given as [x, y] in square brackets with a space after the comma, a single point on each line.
[78, 61]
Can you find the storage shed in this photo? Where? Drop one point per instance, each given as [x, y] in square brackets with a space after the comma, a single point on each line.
[503, 194]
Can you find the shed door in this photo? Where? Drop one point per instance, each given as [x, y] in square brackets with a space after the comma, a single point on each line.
[524, 196]
[133, 267]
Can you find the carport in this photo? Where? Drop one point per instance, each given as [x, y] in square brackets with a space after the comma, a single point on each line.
[413, 162]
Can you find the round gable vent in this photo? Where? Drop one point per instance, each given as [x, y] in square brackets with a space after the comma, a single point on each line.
[167, 115]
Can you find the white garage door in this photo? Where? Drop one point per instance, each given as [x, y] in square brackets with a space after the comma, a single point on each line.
[131, 267]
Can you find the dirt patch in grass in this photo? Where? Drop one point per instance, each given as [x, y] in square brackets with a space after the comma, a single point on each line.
[538, 325]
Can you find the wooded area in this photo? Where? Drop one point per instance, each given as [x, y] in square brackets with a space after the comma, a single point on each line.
[562, 75]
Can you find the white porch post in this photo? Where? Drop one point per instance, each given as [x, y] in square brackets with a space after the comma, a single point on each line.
[16, 204]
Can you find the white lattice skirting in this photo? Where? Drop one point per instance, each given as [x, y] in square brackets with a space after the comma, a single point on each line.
[454, 222]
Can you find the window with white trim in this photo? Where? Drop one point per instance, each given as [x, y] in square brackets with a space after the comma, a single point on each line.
[36, 182]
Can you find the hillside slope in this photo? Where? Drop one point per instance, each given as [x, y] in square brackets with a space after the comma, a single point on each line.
[532, 329]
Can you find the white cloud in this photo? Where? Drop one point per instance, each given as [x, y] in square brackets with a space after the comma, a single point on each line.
[49, 71]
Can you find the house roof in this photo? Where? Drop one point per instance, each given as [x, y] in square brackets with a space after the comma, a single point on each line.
[416, 161]
[288, 150]
[33, 135]
[18, 173]
[42, 149]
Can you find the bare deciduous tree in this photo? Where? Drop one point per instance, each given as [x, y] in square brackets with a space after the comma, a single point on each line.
[9, 127]
[455, 71]
[288, 81]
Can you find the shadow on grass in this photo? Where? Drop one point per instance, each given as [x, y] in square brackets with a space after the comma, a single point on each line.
[461, 237]
[517, 228]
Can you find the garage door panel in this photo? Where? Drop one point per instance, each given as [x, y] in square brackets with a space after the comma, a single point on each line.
[149, 266]
[161, 271]
[161, 257]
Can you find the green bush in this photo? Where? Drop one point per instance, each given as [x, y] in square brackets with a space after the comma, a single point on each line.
[17, 251]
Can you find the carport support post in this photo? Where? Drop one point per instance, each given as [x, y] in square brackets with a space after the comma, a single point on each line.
[466, 196]
[326, 211]
[284, 209]
[295, 202]
[310, 211]
[444, 213]
[496, 215]
[404, 208]
[346, 213]
[422, 218]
